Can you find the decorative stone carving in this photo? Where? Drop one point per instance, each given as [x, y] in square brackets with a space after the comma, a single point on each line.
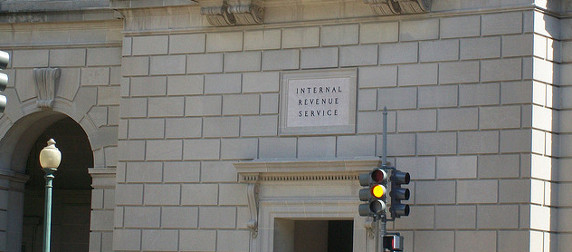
[233, 12]
[396, 7]
[218, 15]
[246, 12]
[46, 81]
[383, 7]
[414, 6]
[252, 193]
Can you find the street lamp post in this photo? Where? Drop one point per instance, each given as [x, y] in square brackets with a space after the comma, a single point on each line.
[50, 158]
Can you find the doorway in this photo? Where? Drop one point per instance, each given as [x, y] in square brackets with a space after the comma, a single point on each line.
[71, 194]
[313, 235]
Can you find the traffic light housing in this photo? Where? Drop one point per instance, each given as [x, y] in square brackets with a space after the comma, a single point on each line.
[398, 193]
[393, 242]
[4, 60]
[375, 192]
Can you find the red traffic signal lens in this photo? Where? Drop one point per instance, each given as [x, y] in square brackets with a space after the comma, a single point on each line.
[378, 175]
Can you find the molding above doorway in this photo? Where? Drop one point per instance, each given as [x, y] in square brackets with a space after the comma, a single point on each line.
[256, 173]
[305, 170]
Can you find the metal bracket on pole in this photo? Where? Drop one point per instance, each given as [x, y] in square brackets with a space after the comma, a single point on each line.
[370, 227]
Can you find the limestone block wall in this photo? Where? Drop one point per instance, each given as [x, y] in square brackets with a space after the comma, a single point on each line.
[97, 102]
[102, 209]
[88, 55]
[563, 178]
[461, 96]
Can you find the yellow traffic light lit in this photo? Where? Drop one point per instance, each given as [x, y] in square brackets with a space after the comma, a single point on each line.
[374, 193]
[378, 191]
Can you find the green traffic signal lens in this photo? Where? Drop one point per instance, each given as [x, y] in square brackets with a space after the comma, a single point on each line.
[377, 207]
[399, 210]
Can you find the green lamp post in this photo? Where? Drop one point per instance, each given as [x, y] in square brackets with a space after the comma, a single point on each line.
[50, 158]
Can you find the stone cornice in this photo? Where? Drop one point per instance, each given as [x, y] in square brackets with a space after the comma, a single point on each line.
[397, 7]
[133, 4]
[49, 16]
[295, 169]
[84, 25]
[13, 6]
[233, 12]
[250, 12]
[25, 35]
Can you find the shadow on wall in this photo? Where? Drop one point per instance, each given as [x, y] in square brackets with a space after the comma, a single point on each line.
[549, 103]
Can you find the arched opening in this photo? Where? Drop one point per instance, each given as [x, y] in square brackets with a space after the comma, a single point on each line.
[72, 191]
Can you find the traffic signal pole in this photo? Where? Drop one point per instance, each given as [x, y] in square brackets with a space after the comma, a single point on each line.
[382, 230]
[384, 143]
[382, 225]
[381, 194]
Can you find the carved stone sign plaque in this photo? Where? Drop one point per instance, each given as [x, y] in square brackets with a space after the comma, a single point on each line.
[318, 102]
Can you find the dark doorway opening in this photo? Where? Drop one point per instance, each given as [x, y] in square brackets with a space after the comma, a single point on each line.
[313, 235]
[340, 236]
[71, 194]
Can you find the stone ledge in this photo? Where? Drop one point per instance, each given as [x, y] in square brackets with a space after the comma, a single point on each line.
[304, 169]
[129, 4]
[43, 6]
[102, 178]
[102, 33]
[13, 176]
[390, 7]
[52, 16]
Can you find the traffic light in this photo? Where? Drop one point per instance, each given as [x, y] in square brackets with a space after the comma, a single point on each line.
[374, 193]
[398, 194]
[4, 60]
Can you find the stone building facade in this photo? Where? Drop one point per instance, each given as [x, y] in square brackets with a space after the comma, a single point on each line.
[186, 108]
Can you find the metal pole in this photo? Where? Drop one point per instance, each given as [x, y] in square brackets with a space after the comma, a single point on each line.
[48, 210]
[382, 220]
[384, 153]
[382, 230]
[375, 220]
